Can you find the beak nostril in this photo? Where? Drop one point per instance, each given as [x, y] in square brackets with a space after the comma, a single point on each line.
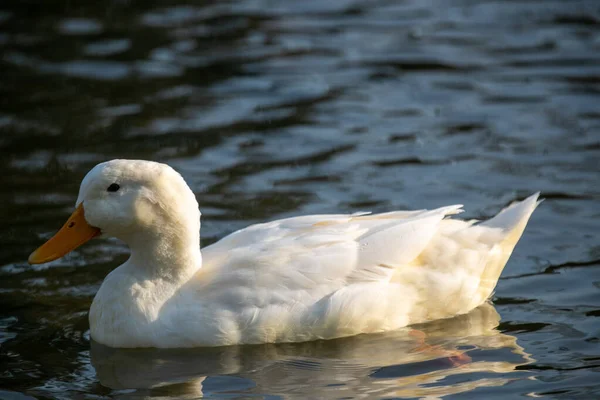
[72, 224]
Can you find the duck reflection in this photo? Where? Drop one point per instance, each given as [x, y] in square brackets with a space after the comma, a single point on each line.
[414, 362]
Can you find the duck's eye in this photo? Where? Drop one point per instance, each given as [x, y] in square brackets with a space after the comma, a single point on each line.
[113, 187]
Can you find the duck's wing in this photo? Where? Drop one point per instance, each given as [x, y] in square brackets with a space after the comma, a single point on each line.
[336, 275]
[323, 253]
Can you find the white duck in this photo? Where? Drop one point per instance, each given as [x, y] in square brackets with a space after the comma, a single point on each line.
[296, 279]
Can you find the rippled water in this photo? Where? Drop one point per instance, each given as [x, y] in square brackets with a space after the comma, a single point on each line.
[278, 108]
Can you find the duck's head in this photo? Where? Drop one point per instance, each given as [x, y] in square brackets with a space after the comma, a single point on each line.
[133, 200]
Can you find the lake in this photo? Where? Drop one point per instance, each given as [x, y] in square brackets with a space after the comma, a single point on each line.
[271, 109]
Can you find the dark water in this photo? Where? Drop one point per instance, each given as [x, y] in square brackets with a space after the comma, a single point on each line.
[278, 108]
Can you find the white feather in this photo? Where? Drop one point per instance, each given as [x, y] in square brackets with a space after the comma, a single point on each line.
[296, 279]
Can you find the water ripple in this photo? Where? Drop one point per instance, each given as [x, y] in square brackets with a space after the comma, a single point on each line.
[278, 108]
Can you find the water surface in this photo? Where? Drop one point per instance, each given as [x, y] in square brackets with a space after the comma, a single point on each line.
[277, 108]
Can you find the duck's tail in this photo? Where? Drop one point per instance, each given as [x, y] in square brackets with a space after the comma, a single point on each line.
[509, 224]
[459, 268]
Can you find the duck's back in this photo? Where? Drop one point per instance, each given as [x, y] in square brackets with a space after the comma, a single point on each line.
[328, 276]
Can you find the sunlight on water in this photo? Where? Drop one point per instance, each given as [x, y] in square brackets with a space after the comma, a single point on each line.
[271, 109]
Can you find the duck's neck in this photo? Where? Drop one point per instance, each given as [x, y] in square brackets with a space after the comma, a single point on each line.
[172, 254]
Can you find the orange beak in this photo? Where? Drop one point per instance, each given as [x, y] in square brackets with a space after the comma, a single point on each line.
[75, 232]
